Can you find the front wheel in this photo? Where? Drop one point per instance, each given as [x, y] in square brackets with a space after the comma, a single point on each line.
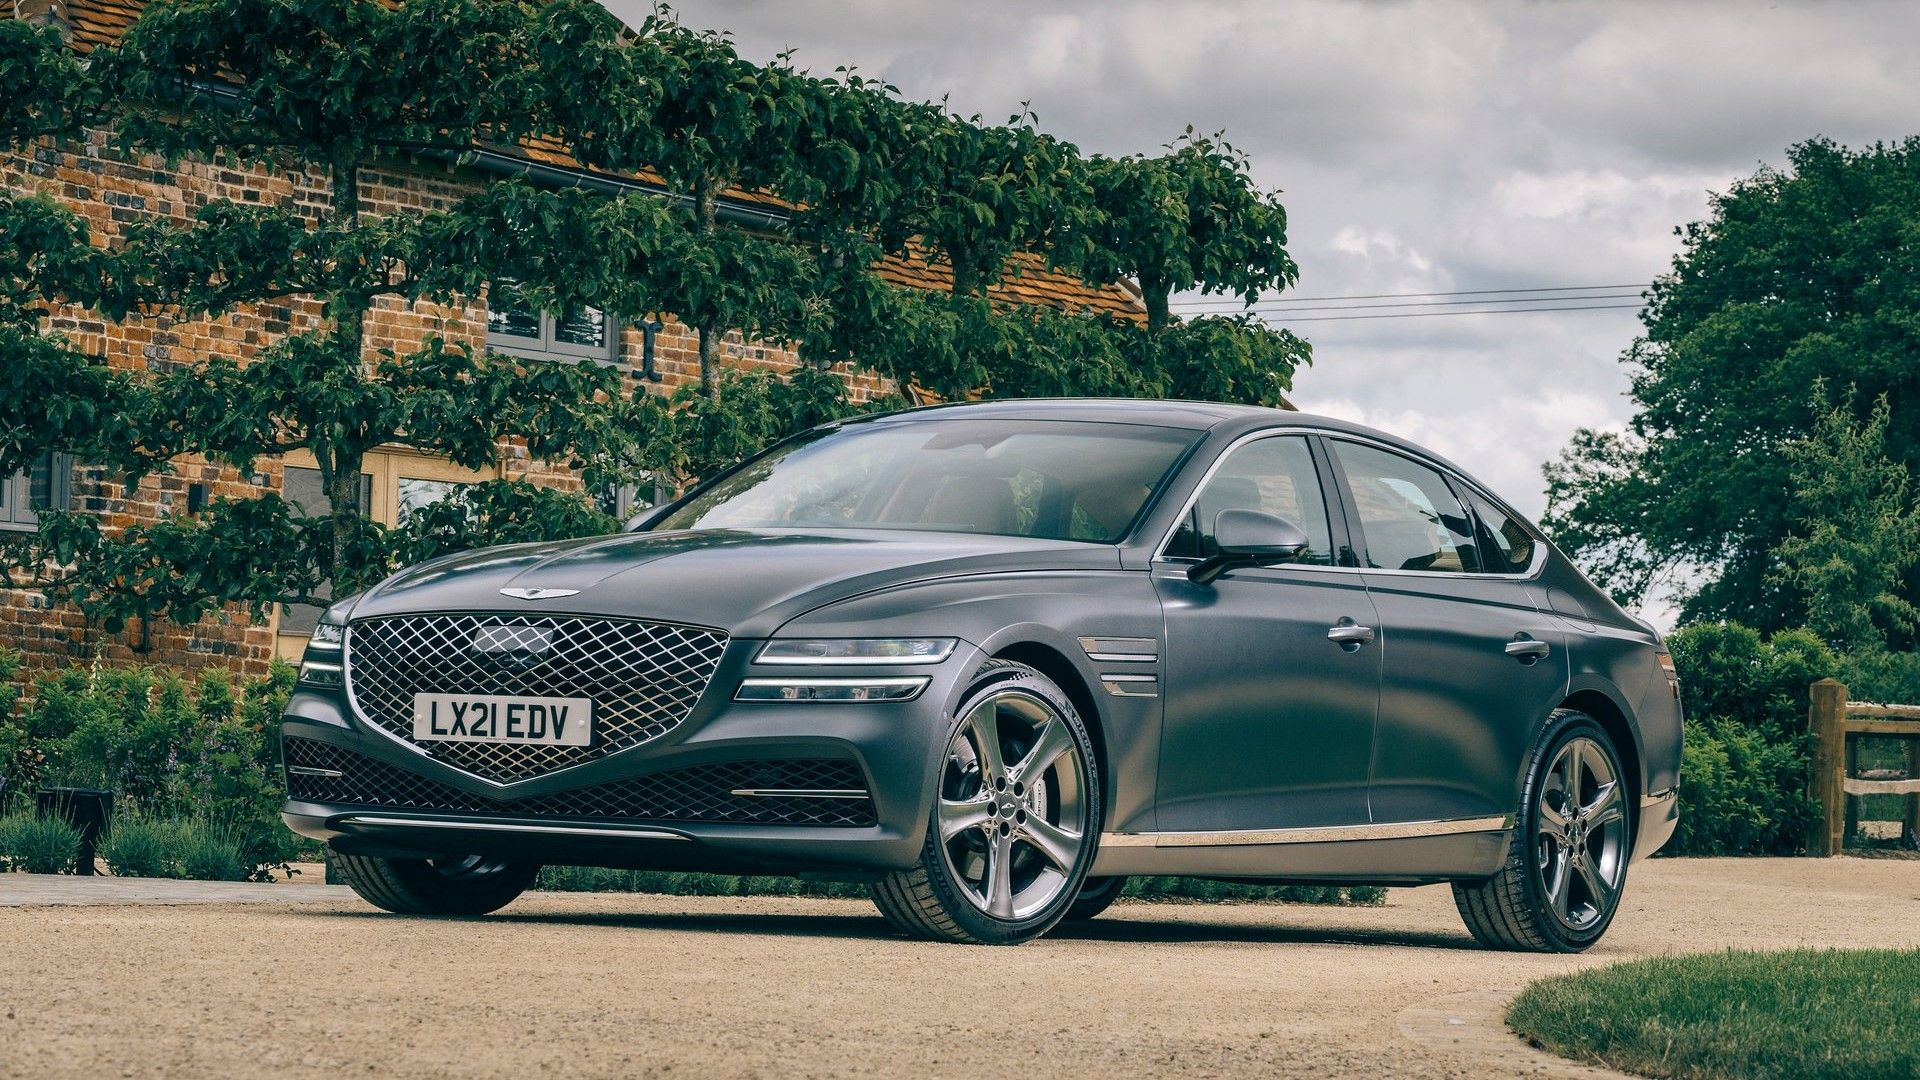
[1567, 863]
[456, 885]
[1096, 896]
[1015, 821]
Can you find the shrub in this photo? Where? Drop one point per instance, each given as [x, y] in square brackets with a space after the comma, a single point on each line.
[1882, 675]
[168, 747]
[1743, 777]
[1741, 794]
[38, 845]
[214, 851]
[21, 760]
[142, 846]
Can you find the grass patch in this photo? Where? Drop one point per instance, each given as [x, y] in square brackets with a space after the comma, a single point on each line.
[1761, 1015]
[595, 879]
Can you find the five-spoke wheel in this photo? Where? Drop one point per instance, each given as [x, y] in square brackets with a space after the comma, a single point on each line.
[1567, 863]
[1581, 832]
[1016, 820]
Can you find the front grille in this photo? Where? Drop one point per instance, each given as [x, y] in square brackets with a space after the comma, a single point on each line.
[699, 793]
[644, 678]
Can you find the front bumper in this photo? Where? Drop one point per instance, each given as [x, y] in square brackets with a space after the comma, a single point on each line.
[737, 787]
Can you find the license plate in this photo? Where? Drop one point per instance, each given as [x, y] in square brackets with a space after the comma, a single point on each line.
[497, 718]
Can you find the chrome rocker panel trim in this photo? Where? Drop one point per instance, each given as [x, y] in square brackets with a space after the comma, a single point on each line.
[1391, 830]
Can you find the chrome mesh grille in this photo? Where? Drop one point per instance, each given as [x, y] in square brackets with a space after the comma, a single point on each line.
[644, 678]
[829, 792]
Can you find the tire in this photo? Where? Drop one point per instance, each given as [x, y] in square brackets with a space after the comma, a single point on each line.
[1566, 866]
[1096, 896]
[452, 886]
[1021, 824]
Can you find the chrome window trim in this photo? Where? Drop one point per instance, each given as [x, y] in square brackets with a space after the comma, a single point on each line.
[1539, 542]
[1532, 572]
[1160, 549]
[1389, 830]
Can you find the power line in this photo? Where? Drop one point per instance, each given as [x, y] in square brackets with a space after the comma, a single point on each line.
[1449, 303]
[1433, 314]
[1228, 301]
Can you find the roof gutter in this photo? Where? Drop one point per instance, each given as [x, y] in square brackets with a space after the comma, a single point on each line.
[734, 212]
[744, 215]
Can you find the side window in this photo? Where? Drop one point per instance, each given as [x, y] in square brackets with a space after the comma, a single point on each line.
[1409, 517]
[1506, 546]
[1274, 476]
[24, 495]
[517, 327]
[302, 488]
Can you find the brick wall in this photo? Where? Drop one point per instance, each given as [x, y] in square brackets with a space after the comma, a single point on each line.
[113, 191]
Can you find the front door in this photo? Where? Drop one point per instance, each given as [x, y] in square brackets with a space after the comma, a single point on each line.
[1268, 723]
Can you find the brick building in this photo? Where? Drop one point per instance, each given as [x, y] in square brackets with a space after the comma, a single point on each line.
[114, 191]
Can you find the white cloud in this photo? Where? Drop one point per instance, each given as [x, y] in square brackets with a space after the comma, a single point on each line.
[1422, 145]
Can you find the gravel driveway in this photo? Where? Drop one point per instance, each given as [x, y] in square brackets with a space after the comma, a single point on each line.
[656, 986]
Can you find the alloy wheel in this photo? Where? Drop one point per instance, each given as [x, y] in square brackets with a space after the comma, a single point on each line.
[1581, 834]
[1014, 812]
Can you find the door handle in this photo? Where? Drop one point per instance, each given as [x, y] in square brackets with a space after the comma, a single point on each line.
[1528, 649]
[1348, 636]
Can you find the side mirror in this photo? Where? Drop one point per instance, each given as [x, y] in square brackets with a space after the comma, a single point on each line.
[1249, 538]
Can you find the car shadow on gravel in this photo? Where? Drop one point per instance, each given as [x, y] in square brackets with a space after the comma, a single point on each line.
[1125, 931]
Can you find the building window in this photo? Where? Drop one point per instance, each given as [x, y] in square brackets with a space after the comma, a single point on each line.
[516, 327]
[25, 494]
[628, 501]
[394, 485]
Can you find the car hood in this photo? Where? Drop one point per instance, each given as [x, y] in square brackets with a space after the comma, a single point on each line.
[745, 581]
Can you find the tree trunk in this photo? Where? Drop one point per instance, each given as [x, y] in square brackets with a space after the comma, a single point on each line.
[340, 460]
[1154, 294]
[706, 205]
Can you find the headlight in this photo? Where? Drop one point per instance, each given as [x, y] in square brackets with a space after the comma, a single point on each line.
[321, 666]
[856, 651]
[320, 673]
[901, 689]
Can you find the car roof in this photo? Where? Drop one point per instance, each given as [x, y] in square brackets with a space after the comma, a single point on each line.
[1196, 415]
[1229, 420]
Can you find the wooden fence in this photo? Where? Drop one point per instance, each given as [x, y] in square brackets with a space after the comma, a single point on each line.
[1836, 774]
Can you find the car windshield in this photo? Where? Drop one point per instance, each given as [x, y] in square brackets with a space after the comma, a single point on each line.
[1071, 480]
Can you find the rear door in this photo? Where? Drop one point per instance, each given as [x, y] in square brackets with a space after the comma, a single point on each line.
[1470, 663]
[1269, 724]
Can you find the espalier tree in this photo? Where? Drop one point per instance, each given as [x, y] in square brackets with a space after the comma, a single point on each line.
[309, 87]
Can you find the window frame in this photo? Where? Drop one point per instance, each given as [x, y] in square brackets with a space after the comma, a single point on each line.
[1472, 492]
[381, 471]
[1453, 479]
[17, 512]
[548, 346]
[1332, 497]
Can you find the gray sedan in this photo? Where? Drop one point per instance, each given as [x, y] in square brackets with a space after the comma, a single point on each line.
[992, 659]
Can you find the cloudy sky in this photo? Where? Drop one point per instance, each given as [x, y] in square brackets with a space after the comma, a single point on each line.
[1423, 147]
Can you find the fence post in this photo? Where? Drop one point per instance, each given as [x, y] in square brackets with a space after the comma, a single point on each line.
[1827, 719]
[1911, 831]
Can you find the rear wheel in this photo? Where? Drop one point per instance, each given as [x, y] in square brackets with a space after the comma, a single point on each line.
[1096, 896]
[1015, 820]
[455, 885]
[1567, 864]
